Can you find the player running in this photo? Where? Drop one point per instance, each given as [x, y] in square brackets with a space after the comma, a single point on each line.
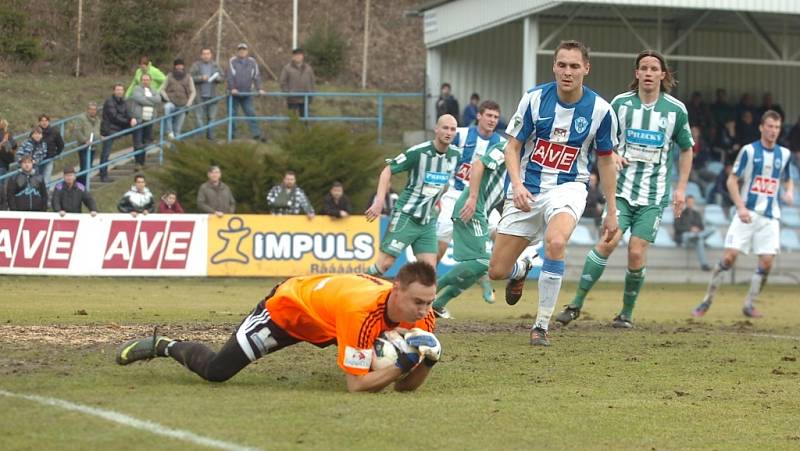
[762, 166]
[559, 123]
[350, 311]
[430, 166]
[650, 122]
[473, 142]
[471, 236]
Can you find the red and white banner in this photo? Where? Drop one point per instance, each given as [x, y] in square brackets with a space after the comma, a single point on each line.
[105, 245]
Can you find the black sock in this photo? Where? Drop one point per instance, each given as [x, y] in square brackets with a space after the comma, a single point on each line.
[211, 366]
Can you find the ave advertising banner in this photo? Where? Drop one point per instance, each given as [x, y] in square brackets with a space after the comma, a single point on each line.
[104, 245]
[266, 245]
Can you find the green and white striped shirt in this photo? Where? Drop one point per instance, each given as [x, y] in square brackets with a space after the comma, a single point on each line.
[491, 190]
[646, 137]
[428, 175]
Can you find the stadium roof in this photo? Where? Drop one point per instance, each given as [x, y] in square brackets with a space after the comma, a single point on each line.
[447, 20]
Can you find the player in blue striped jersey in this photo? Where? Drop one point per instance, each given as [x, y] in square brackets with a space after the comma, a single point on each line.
[473, 142]
[558, 124]
[762, 167]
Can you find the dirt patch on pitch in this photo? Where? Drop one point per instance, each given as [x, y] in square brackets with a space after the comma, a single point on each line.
[102, 334]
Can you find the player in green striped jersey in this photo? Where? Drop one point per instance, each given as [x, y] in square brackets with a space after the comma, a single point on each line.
[471, 240]
[430, 166]
[650, 122]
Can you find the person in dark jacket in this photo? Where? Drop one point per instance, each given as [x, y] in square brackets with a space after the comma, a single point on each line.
[7, 147]
[447, 104]
[69, 195]
[215, 197]
[336, 203]
[55, 145]
[169, 204]
[690, 230]
[138, 199]
[116, 117]
[26, 191]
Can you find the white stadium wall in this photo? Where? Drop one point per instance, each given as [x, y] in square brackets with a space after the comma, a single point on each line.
[490, 63]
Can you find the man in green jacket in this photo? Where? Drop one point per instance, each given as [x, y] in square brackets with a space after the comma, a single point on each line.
[85, 131]
[157, 77]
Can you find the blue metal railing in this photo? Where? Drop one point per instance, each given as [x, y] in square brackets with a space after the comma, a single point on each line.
[228, 120]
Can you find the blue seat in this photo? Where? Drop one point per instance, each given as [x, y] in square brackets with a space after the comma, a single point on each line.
[715, 166]
[716, 240]
[789, 240]
[663, 238]
[581, 236]
[668, 216]
[715, 215]
[790, 216]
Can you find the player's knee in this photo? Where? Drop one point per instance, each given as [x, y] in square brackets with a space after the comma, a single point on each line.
[764, 267]
[636, 257]
[556, 246]
[497, 273]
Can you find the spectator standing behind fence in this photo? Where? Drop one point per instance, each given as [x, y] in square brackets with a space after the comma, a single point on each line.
[336, 203]
[287, 198]
[746, 129]
[69, 195]
[157, 77]
[470, 114]
[169, 204]
[138, 199]
[298, 76]
[26, 191]
[243, 76]
[34, 146]
[690, 231]
[55, 145]
[116, 117]
[726, 141]
[721, 110]
[85, 131]
[7, 148]
[178, 92]
[206, 75]
[447, 104]
[144, 106]
[213, 196]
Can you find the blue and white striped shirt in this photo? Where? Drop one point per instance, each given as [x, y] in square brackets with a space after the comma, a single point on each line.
[558, 137]
[471, 144]
[762, 170]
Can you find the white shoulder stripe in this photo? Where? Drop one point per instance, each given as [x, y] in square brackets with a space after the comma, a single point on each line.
[675, 102]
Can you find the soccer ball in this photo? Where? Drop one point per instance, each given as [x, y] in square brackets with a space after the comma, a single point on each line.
[385, 349]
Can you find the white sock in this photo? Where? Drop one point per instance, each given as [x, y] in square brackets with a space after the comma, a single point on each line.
[519, 270]
[756, 284]
[716, 280]
[549, 287]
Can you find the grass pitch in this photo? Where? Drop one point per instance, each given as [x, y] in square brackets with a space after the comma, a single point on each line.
[671, 383]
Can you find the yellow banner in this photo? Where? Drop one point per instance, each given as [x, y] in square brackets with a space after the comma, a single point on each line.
[268, 245]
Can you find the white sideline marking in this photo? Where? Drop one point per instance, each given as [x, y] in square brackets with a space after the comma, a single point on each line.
[129, 421]
[784, 337]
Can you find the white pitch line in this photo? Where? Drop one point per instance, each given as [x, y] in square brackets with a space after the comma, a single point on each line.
[129, 421]
[784, 337]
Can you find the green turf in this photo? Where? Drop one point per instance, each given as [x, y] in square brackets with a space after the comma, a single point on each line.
[671, 383]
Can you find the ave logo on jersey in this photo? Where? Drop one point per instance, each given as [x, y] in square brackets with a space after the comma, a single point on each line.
[764, 185]
[463, 172]
[554, 156]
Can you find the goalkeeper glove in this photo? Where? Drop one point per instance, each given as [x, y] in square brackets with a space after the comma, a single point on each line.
[427, 344]
[407, 358]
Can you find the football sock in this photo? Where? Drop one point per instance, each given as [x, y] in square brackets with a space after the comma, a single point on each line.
[486, 286]
[716, 280]
[373, 270]
[458, 279]
[592, 270]
[211, 366]
[549, 286]
[756, 285]
[520, 269]
[634, 279]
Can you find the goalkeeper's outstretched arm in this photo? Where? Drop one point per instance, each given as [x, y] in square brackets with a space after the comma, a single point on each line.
[374, 381]
[414, 380]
